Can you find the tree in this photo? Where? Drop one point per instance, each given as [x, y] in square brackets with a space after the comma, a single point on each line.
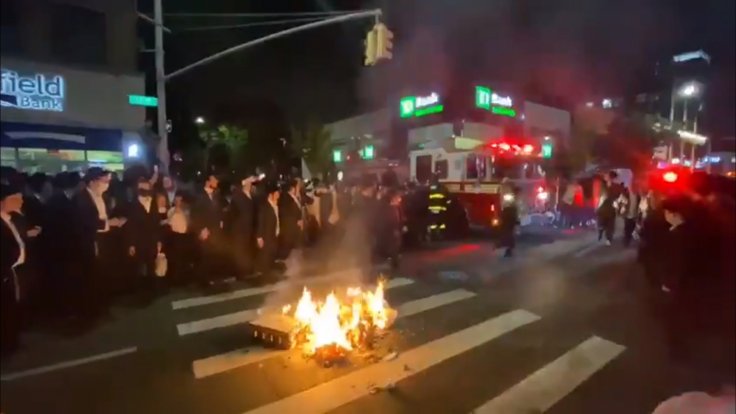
[225, 148]
[313, 143]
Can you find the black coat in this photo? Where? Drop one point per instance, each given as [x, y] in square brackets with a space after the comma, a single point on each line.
[388, 222]
[58, 229]
[289, 215]
[9, 253]
[33, 211]
[243, 210]
[87, 223]
[266, 226]
[207, 213]
[143, 229]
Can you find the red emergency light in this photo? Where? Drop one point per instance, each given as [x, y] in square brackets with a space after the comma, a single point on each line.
[670, 177]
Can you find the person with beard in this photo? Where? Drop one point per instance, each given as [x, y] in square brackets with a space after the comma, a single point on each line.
[57, 236]
[243, 222]
[13, 252]
[208, 225]
[169, 189]
[92, 225]
[143, 233]
[267, 230]
[291, 219]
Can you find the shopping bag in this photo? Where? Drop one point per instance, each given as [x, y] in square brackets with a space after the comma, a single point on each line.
[161, 265]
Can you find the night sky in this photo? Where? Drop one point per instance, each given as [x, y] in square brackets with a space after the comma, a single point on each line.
[562, 50]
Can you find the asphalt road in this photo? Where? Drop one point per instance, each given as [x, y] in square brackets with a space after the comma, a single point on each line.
[564, 327]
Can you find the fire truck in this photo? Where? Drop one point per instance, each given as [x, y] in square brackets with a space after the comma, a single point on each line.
[482, 174]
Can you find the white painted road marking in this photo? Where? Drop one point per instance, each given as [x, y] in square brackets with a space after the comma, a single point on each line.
[221, 321]
[244, 293]
[587, 249]
[333, 394]
[217, 364]
[247, 315]
[434, 301]
[67, 364]
[544, 388]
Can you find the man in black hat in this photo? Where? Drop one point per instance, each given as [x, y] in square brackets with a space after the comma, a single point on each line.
[143, 232]
[13, 254]
[92, 225]
[267, 230]
[291, 219]
[59, 244]
[243, 212]
[208, 225]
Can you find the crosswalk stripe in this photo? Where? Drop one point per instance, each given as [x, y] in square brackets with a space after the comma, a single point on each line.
[434, 301]
[217, 364]
[244, 293]
[544, 388]
[249, 314]
[340, 391]
[216, 322]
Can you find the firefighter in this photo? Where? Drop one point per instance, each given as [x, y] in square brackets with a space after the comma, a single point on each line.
[509, 221]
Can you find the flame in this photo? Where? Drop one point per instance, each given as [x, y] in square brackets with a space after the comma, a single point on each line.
[334, 324]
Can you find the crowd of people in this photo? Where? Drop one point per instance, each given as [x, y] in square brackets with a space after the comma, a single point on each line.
[72, 242]
[686, 238]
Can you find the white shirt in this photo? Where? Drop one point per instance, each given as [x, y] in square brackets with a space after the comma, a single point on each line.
[146, 203]
[101, 209]
[276, 212]
[22, 256]
[178, 220]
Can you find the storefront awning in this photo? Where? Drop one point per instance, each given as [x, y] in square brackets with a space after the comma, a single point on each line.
[22, 135]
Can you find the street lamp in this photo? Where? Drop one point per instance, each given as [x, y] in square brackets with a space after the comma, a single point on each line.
[199, 120]
[688, 90]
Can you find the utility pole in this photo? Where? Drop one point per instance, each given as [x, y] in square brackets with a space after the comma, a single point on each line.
[163, 133]
[162, 77]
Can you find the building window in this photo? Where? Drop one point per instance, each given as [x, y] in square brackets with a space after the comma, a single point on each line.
[78, 35]
[440, 168]
[475, 167]
[424, 168]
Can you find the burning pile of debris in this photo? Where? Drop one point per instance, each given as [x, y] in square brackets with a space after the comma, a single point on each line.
[331, 328]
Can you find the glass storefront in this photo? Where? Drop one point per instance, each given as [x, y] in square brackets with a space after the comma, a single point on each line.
[53, 161]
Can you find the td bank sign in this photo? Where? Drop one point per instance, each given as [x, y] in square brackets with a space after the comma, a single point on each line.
[487, 99]
[33, 91]
[417, 106]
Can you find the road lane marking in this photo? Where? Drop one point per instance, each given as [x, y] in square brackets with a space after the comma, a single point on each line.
[431, 302]
[350, 387]
[244, 293]
[220, 363]
[67, 364]
[587, 249]
[247, 315]
[221, 321]
[550, 384]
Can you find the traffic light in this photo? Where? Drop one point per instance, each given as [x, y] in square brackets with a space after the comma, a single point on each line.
[368, 152]
[384, 42]
[547, 150]
[336, 156]
[370, 47]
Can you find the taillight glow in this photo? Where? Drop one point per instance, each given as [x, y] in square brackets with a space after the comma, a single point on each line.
[528, 149]
[504, 146]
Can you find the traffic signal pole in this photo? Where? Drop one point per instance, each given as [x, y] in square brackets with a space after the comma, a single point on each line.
[162, 78]
[163, 133]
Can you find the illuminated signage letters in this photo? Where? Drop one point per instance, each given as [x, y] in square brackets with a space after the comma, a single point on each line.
[37, 91]
[489, 100]
[140, 100]
[416, 106]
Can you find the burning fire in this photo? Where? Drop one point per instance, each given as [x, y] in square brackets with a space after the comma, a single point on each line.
[339, 325]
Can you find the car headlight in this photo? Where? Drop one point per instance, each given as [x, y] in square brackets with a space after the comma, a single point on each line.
[508, 197]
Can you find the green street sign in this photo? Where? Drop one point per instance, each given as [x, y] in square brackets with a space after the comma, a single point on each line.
[141, 100]
[336, 156]
[546, 150]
